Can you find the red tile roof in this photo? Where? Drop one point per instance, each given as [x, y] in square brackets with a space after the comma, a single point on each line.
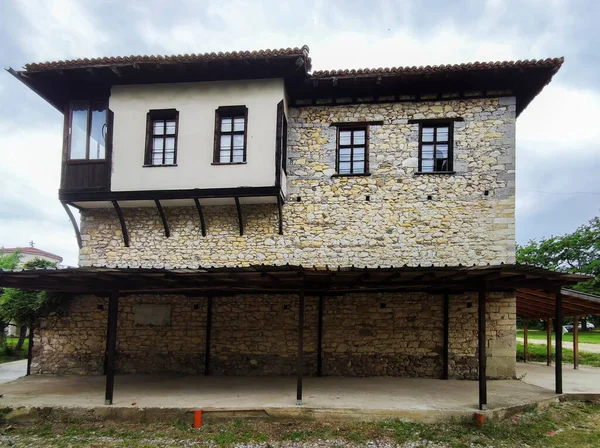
[30, 251]
[550, 62]
[196, 57]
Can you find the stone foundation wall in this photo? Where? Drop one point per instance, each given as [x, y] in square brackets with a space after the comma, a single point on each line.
[392, 217]
[363, 335]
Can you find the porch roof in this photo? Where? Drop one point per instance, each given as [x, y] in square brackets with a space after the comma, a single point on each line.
[536, 304]
[271, 279]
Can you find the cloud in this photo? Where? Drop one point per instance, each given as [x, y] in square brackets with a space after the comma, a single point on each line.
[59, 29]
[563, 117]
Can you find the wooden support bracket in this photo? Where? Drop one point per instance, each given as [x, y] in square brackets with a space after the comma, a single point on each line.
[122, 221]
[201, 216]
[161, 212]
[74, 223]
[239, 213]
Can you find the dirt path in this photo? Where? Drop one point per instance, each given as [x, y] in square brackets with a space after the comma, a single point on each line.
[583, 347]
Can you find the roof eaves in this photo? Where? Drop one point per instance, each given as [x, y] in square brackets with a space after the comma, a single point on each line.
[554, 63]
[171, 59]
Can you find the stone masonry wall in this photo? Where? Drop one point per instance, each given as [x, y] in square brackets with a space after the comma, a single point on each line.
[328, 219]
[363, 335]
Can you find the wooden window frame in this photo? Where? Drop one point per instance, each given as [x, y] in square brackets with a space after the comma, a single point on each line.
[69, 130]
[353, 127]
[230, 112]
[284, 155]
[450, 143]
[160, 114]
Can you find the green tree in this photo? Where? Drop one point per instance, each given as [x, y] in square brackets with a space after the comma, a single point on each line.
[7, 261]
[577, 252]
[574, 252]
[25, 307]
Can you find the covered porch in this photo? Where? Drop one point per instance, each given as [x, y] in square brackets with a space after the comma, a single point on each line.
[300, 281]
[327, 397]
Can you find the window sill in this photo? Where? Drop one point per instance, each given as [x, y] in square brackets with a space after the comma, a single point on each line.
[351, 175]
[159, 166]
[418, 173]
[229, 163]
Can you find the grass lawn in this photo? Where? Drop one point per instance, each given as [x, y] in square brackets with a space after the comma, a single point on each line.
[8, 353]
[537, 353]
[560, 425]
[589, 337]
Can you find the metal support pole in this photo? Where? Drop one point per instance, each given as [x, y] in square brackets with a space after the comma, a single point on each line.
[30, 351]
[209, 310]
[111, 345]
[576, 342]
[549, 341]
[525, 340]
[300, 360]
[320, 339]
[446, 336]
[558, 337]
[482, 351]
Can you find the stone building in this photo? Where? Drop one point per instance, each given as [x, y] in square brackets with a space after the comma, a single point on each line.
[246, 159]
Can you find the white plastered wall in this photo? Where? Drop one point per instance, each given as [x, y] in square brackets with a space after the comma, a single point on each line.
[196, 103]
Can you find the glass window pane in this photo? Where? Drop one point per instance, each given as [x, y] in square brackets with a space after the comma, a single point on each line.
[345, 137]
[427, 134]
[344, 167]
[225, 141]
[79, 131]
[359, 153]
[171, 127]
[238, 141]
[158, 144]
[345, 154]
[238, 123]
[441, 151]
[159, 127]
[427, 152]
[442, 134]
[238, 156]
[427, 165]
[170, 159]
[358, 167]
[225, 157]
[225, 124]
[359, 137]
[157, 159]
[170, 143]
[98, 131]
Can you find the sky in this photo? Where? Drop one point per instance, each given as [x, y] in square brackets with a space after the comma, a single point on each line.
[558, 135]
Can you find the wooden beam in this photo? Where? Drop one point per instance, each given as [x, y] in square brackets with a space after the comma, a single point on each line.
[239, 213]
[116, 71]
[446, 342]
[201, 216]
[122, 221]
[320, 338]
[111, 345]
[74, 224]
[209, 311]
[482, 354]
[163, 218]
[558, 338]
[525, 340]
[300, 359]
[549, 341]
[30, 351]
[576, 342]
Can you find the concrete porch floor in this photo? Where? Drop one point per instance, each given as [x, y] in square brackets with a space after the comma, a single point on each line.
[584, 380]
[391, 397]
